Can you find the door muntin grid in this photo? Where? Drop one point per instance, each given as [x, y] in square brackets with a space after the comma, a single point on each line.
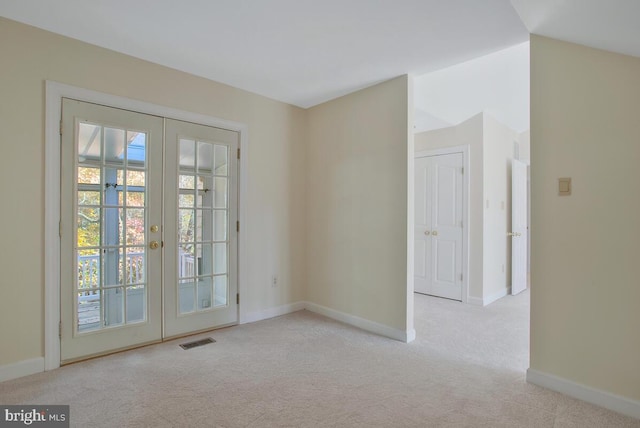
[111, 226]
[203, 226]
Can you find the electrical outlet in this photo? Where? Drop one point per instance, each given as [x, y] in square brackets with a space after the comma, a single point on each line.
[274, 281]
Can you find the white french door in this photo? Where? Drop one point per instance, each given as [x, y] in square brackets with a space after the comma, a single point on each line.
[147, 247]
[438, 225]
[201, 189]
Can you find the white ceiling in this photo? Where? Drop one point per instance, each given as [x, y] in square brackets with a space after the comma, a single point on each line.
[613, 25]
[305, 52]
[302, 52]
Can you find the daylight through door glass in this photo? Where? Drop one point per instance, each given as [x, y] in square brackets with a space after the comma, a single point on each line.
[203, 212]
[111, 201]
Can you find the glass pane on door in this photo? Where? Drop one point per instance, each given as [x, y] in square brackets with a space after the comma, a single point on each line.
[203, 210]
[111, 216]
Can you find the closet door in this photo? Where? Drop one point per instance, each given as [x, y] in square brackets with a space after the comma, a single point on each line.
[438, 227]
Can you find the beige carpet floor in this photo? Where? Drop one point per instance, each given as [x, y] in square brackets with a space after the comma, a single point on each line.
[466, 368]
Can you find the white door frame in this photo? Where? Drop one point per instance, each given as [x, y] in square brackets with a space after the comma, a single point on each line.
[464, 149]
[53, 108]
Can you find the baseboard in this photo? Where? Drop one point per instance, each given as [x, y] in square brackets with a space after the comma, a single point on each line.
[21, 368]
[364, 324]
[271, 312]
[591, 395]
[487, 300]
[476, 301]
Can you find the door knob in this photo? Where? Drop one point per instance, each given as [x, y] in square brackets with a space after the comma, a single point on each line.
[154, 245]
[426, 232]
[434, 233]
[154, 228]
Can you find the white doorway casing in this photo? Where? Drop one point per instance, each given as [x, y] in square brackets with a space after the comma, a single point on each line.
[464, 152]
[54, 94]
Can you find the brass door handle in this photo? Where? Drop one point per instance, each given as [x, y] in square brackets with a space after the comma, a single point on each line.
[434, 233]
[154, 245]
[514, 234]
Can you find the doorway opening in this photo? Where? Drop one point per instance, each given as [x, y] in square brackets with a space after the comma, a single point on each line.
[483, 105]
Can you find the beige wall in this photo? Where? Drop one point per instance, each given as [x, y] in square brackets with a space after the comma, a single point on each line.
[585, 293]
[498, 154]
[275, 212]
[357, 203]
[429, 140]
[468, 133]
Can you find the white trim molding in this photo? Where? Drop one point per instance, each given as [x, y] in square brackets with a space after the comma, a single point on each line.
[21, 368]
[617, 403]
[476, 301]
[362, 323]
[487, 300]
[277, 311]
[352, 320]
[53, 101]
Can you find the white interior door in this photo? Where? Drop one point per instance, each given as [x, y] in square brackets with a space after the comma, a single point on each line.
[519, 230]
[201, 199]
[439, 227]
[111, 199]
[148, 231]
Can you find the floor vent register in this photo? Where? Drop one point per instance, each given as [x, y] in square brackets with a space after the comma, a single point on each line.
[195, 344]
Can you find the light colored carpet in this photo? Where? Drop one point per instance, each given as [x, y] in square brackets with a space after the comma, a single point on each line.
[466, 368]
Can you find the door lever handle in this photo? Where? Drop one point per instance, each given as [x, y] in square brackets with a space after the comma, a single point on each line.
[514, 234]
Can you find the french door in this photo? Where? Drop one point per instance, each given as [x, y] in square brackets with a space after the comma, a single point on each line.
[147, 247]
[438, 225]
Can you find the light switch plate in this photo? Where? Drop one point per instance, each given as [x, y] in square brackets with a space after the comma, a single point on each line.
[564, 186]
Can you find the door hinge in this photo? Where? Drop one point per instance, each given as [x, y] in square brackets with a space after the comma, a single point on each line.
[237, 298]
[238, 153]
[60, 329]
[237, 226]
[60, 126]
[460, 277]
[462, 170]
[60, 228]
